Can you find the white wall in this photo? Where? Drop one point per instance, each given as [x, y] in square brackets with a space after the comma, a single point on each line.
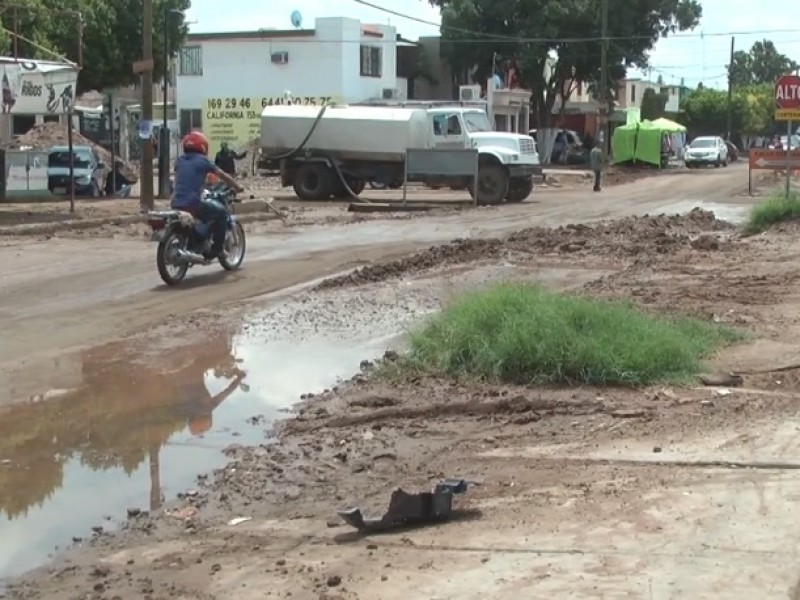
[327, 64]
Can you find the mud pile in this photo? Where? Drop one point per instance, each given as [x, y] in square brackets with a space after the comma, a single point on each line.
[638, 237]
[43, 137]
[455, 252]
[630, 236]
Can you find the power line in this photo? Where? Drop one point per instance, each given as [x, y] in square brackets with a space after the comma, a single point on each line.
[533, 40]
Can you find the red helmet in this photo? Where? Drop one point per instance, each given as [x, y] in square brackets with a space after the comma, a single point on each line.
[195, 141]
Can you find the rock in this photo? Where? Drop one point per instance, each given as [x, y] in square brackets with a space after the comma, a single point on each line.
[334, 580]
[134, 512]
[722, 379]
[656, 449]
[280, 562]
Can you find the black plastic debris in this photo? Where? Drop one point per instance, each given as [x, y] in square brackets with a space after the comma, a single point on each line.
[410, 509]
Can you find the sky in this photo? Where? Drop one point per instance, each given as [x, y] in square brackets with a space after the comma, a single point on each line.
[700, 56]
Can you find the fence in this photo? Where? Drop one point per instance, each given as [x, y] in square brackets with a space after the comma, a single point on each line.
[24, 174]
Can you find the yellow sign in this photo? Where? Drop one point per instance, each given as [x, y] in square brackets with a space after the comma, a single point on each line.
[237, 121]
[787, 114]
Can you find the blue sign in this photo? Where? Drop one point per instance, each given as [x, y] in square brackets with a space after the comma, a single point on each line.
[145, 129]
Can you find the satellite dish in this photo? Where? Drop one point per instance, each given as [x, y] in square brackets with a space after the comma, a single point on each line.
[297, 19]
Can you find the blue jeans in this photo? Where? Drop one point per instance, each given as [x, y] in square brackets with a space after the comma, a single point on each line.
[215, 214]
[124, 191]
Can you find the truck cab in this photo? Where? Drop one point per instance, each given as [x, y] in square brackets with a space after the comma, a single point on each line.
[508, 161]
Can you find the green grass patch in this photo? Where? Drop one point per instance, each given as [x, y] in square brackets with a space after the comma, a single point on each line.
[522, 334]
[777, 209]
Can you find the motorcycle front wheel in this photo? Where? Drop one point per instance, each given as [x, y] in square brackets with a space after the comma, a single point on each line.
[170, 269]
[235, 246]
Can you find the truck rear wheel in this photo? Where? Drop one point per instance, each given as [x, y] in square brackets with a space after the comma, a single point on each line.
[493, 183]
[519, 189]
[313, 181]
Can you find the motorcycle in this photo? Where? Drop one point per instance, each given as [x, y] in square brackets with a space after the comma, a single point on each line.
[184, 238]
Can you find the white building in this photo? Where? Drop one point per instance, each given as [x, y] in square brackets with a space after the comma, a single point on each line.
[224, 79]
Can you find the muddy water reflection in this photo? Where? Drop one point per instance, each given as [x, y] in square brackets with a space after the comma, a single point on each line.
[140, 427]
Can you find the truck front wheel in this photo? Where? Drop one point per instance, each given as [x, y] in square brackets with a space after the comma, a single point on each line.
[313, 181]
[493, 183]
[519, 189]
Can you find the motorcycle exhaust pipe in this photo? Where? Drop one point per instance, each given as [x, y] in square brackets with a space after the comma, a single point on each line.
[190, 257]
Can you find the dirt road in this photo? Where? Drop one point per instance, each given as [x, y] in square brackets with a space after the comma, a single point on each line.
[64, 294]
[660, 493]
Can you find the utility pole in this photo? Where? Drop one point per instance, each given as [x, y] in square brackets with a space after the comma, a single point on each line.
[163, 138]
[605, 98]
[146, 200]
[730, 91]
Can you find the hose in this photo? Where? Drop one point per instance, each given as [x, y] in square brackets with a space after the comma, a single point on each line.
[347, 188]
[336, 167]
[302, 145]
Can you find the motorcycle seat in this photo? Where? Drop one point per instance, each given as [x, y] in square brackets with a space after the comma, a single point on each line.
[185, 218]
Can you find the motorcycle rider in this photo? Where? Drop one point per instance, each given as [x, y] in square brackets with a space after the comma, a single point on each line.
[191, 170]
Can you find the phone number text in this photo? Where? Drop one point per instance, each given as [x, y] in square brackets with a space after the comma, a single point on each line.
[250, 103]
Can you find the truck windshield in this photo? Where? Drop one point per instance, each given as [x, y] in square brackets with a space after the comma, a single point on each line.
[477, 121]
[59, 159]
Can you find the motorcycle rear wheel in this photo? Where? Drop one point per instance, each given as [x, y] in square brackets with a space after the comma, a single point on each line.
[235, 245]
[171, 272]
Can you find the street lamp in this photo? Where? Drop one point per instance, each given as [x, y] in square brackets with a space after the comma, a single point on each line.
[163, 142]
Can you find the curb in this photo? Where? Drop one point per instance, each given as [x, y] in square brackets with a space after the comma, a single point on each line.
[84, 224]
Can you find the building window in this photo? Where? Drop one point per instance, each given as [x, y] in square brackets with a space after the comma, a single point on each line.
[191, 61]
[191, 118]
[633, 93]
[371, 61]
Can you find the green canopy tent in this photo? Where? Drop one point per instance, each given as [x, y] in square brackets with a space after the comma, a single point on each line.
[669, 126]
[641, 142]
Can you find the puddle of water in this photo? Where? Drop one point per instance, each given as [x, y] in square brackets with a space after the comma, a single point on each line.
[134, 432]
[732, 213]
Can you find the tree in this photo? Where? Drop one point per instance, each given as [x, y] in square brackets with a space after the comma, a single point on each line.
[762, 64]
[556, 44]
[752, 108]
[653, 104]
[112, 36]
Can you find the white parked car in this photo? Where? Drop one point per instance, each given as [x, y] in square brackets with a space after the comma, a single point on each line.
[706, 151]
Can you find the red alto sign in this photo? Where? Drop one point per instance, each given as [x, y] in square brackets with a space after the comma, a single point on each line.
[787, 92]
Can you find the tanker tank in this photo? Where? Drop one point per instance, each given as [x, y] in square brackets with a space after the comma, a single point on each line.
[355, 133]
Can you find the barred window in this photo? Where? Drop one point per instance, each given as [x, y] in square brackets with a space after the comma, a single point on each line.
[191, 60]
[371, 61]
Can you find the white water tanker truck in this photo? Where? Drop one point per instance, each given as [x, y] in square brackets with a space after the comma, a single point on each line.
[335, 150]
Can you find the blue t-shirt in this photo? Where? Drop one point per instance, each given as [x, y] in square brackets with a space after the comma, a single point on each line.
[190, 177]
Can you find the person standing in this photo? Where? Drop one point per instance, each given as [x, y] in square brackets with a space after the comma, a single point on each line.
[116, 178]
[596, 162]
[226, 159]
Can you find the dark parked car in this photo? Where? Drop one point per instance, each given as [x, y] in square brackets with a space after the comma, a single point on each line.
[88, 171]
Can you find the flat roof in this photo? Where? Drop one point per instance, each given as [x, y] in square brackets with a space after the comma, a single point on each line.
[261, 34]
